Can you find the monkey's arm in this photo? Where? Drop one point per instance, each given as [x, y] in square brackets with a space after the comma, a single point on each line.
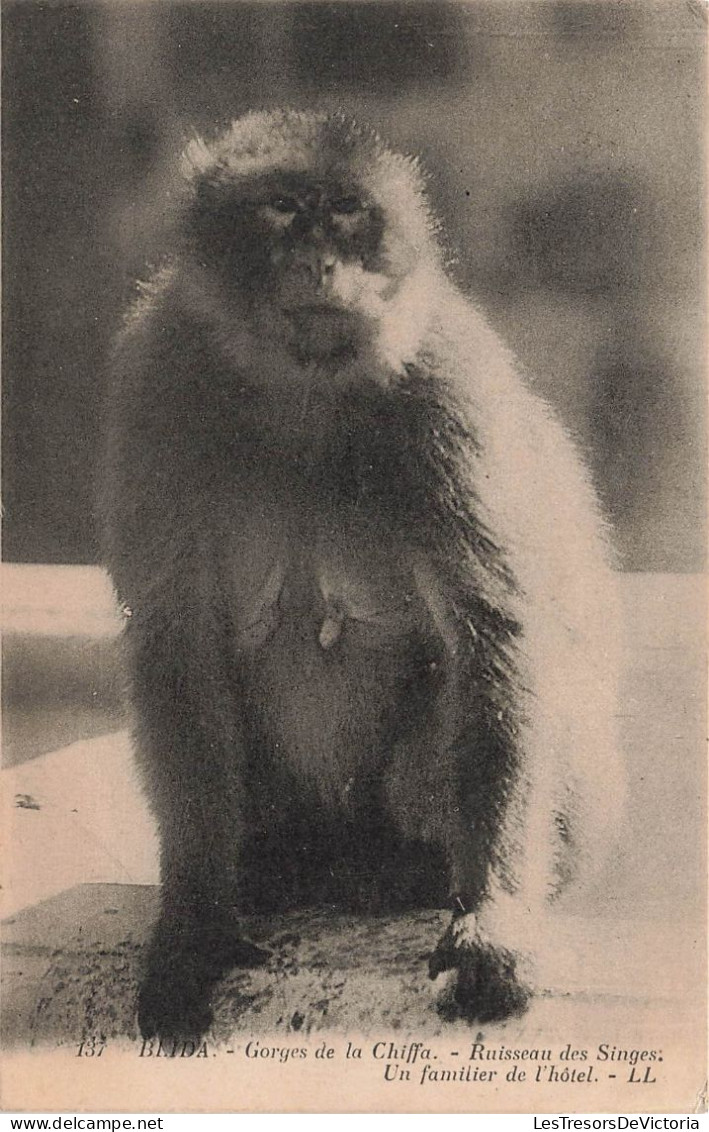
[512, 766]
[460, 784]
[163, 549]
[191, 753]
[532, 491]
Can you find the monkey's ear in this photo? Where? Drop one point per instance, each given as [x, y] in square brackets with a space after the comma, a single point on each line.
[196, 159]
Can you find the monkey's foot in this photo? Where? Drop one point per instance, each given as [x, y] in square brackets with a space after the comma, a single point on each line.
[486, 988]
[184, 964]
[173, 1012]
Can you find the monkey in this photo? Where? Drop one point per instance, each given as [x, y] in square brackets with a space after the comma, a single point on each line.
[369, 597]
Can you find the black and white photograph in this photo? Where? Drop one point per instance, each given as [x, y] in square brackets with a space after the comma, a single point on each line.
[354, 579]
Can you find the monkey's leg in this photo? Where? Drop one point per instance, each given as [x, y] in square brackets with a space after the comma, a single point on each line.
[191, 752]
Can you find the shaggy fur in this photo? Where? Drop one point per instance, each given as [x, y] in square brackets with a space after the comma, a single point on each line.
[370, 615]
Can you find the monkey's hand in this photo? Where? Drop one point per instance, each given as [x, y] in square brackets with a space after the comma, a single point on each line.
[487, 987]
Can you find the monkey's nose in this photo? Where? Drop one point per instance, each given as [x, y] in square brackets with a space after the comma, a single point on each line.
[320, 266]
[327, 267]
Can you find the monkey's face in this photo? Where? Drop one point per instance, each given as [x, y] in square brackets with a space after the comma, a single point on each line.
[312, 226]
[314, 250]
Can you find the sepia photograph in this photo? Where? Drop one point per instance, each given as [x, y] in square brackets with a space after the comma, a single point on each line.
[354, 578]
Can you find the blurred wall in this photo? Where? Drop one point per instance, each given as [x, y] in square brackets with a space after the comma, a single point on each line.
[565, 145]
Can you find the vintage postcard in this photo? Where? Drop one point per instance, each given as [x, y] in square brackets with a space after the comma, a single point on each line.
[354, 591]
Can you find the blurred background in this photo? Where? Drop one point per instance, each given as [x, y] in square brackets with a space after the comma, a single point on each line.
[565, 143]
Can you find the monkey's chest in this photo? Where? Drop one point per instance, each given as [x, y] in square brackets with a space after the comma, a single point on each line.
[334, 658]
[340, 590]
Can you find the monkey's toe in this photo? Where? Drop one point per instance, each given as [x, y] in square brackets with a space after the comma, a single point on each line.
[486, 988]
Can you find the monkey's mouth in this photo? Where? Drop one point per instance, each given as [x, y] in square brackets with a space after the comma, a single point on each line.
[317, 306]
[313, 307]
[321, 329]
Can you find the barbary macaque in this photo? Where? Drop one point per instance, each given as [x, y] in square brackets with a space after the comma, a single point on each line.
[370, 610]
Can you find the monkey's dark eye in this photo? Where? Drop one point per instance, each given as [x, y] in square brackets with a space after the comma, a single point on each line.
[345, 206]
[285, 204]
